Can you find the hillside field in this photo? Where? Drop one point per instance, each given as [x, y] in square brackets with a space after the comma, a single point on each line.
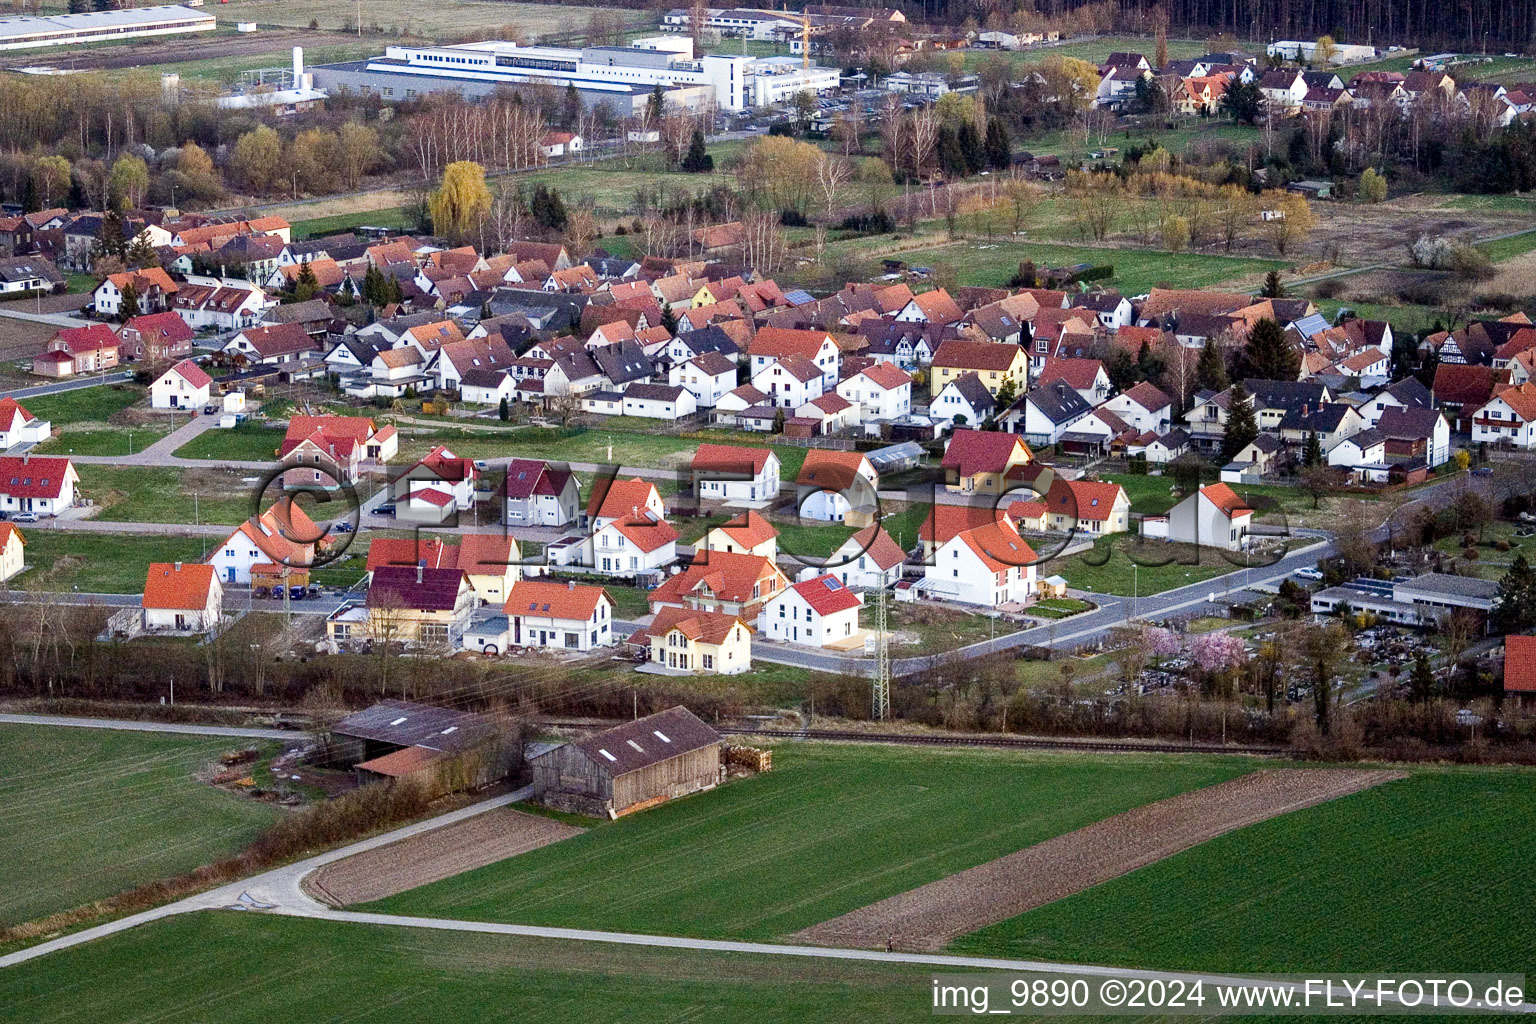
[86, 813]
[830, 829]
[1427, 873]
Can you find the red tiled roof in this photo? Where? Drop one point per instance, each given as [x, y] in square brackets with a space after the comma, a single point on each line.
[190, 372]
[945, 521]
[728, 576]
[830, 470]
[540, 599]
[975, 355]
[826, 595]
[780, 342]
[11, 411]
[1520, 664]
[1079, 374]
[1085, 499]
[646, 530]
[429, 552]
[1226, 499]
[888, 376]
[1464, 384]
[875, 543]
[981, 451]
[704, 627]
[749, 529]
[77, 340]
[998, 545]
[35, 477]
[178, 586]
[620, 499]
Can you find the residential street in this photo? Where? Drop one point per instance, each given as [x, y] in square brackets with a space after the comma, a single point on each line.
[69, 384]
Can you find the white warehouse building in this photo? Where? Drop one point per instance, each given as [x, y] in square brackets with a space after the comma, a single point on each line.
[100, 26]
[623, 74]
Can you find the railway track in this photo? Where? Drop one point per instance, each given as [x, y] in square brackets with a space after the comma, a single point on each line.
[996, 742]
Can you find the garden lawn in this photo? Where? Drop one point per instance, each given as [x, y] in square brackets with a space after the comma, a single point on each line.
[83, 405]
[765, 856]
[101, 563]
[1116, 575]
[247, 442]
[254, 969]
[101, 441]
[393, 217]
[1149, 495]
[155, 494]
[88, 813]
[1427, 870]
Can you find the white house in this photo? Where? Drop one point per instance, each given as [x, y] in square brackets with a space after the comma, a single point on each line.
[835, 487]
[1214, 517]
[35, 483]
[709, 377]
[790, 383]
[813, 613]
[635, 543]
[538, 494]
[882, 391]
[1364, 454]
[868, 560]
[560, 616]
[181, 596]
[659, 402]
[18, 426]
[183, 386]
[283, 535]
[989, 565]
[1144, 407]
[726, 472]
[964, 401]
[1045, 413]
[1508, 418]
[771, 344]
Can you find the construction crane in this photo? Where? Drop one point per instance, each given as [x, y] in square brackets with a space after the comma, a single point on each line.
[805, 34]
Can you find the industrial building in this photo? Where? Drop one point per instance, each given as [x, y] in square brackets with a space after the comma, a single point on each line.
[622, 76]
[100, 26]
[1417, 601]
[629, 768]
[438, 748]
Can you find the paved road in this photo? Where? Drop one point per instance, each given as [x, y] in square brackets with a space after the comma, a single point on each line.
[72, 384]
[180, 728]
[72, 597]
[52, 319]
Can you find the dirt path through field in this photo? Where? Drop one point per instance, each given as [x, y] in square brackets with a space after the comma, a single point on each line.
[433, 856]
[928, 917]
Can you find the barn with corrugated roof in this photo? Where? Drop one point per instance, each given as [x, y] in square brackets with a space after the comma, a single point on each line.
[631, 767]
[441, 749]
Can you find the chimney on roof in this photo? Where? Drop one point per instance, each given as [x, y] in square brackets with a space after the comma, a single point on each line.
[570, 584]
[176, 567]
[418, 572]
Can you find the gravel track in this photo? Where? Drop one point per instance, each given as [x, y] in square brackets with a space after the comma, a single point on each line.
[925, 919]
[433, 856]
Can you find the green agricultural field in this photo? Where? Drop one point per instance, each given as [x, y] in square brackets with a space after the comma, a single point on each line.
[1428, 870]
[407, 18]
[251, 969]
[155, 494]
[89, 813]
[765, 856]
[1503, 249]
[1149, 495]
[248, 442]
[101, 563]
[84, 405]
[394, 217]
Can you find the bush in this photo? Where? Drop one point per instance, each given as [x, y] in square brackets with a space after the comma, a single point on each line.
[621, 230]
[877, 223]
[1102, 272]
[1470, 554]
[1502, 301]
[1469, 264]
[1502, 545]
[1330, 288]
[30, 293]
[792, 218]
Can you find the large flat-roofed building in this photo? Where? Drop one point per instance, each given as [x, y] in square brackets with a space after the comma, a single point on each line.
[1420, 601]
[98, 26]
[622, 76]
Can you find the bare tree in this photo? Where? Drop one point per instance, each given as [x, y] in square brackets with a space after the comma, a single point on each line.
[832, 175]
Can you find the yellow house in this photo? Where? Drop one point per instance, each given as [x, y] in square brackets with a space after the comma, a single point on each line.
[747, 534]
[12, 555]
[981, 461]
[491, 563]
[701, 643]
[411, 604]
[993, 362]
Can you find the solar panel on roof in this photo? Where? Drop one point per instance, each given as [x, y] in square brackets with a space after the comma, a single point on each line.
[830, 583]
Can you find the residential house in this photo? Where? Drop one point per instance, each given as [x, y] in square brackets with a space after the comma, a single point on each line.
[659, 402]
[1330, 423]
[1283, 91]
[1085, 376]
[414, 605]
[1167, 447]
[1508, 418]
[153, 286]
[468, 364]
[818, 612]
[790, 382]
[731, 583]
[536, 493]
[614, 499]
[708, 377]
[1087, 506]
[436, 487]
[935, 307]
[837, 487]
[18, 426]
[155, 337]
[327, 452]
[273, 345]
[630, 545]
[1363, 454]
[181, 596]
[773, 344]
[724, 472]
[20, 274]
[183, 386]
[76, 350]
[1214, 517]
[882, 392]
[964, 401]
[1045, 413]
[282, 537]
[869, 560]
[491, 563]
[747, 534]
[213, 304]
[988, 565]
[1459, 390]
[991, 362]
[12, 551]
[983, 462]
[703, 643]
[1407, 393]
[37, 483]
[1144, 407]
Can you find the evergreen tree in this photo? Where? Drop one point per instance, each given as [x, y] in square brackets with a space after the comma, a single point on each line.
[1211, 370]
[504, 411]
[394, 294]
[141, 254]
[570, 108]
[1515, 602]
[1149, 364]
[374, 290]
[307, 285]
[1422, 682]
[951, 156]
[110, 241]
[1123, 371]
[1268, 356]
[971, 148]
[1007, 393]
[656, 106]
[30, 202]
[1242, 428]
[1272, 289]
[696, 160]
[1243, 101]
[128, 305]
[999, 146]
[669, 320]
[1312, 451]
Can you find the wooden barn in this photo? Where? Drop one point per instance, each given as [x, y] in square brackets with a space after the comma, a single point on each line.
[438, 748]
[629, 768]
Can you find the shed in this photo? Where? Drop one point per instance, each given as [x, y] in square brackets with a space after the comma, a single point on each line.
[896, 457]
[440, 748]
[631, 767]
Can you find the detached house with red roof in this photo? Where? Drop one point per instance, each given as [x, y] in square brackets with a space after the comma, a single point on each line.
[155, 336]
[536, 493]
[614, 499]
[1508, 418]
[747, 534]
[12, 551]
[734, 583]
[640, 542]
[273, 344]
[772, 344]
[882, 391]
[1212, 517]
[703, 643]
[328, 451]
[182, 597]
[819, 612]
[983, 461]
[992, 362]
[282, 537]
[1087, 506]
[36, 483]
[416, 605]
[990, 565]
[837, 487]
[18, 426]
[436, 487]
[559, 616]
[868, 560]
[183, 386]
[727, 472]
[78, 350]
[153, 286]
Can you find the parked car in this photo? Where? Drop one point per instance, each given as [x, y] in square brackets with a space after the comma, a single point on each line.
[344, 526]
[1308, 573]
[24, 517]
[209, 410]
[298, 593]
[386, 509]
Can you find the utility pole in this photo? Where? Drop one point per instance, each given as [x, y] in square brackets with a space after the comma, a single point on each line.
[880, 696]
